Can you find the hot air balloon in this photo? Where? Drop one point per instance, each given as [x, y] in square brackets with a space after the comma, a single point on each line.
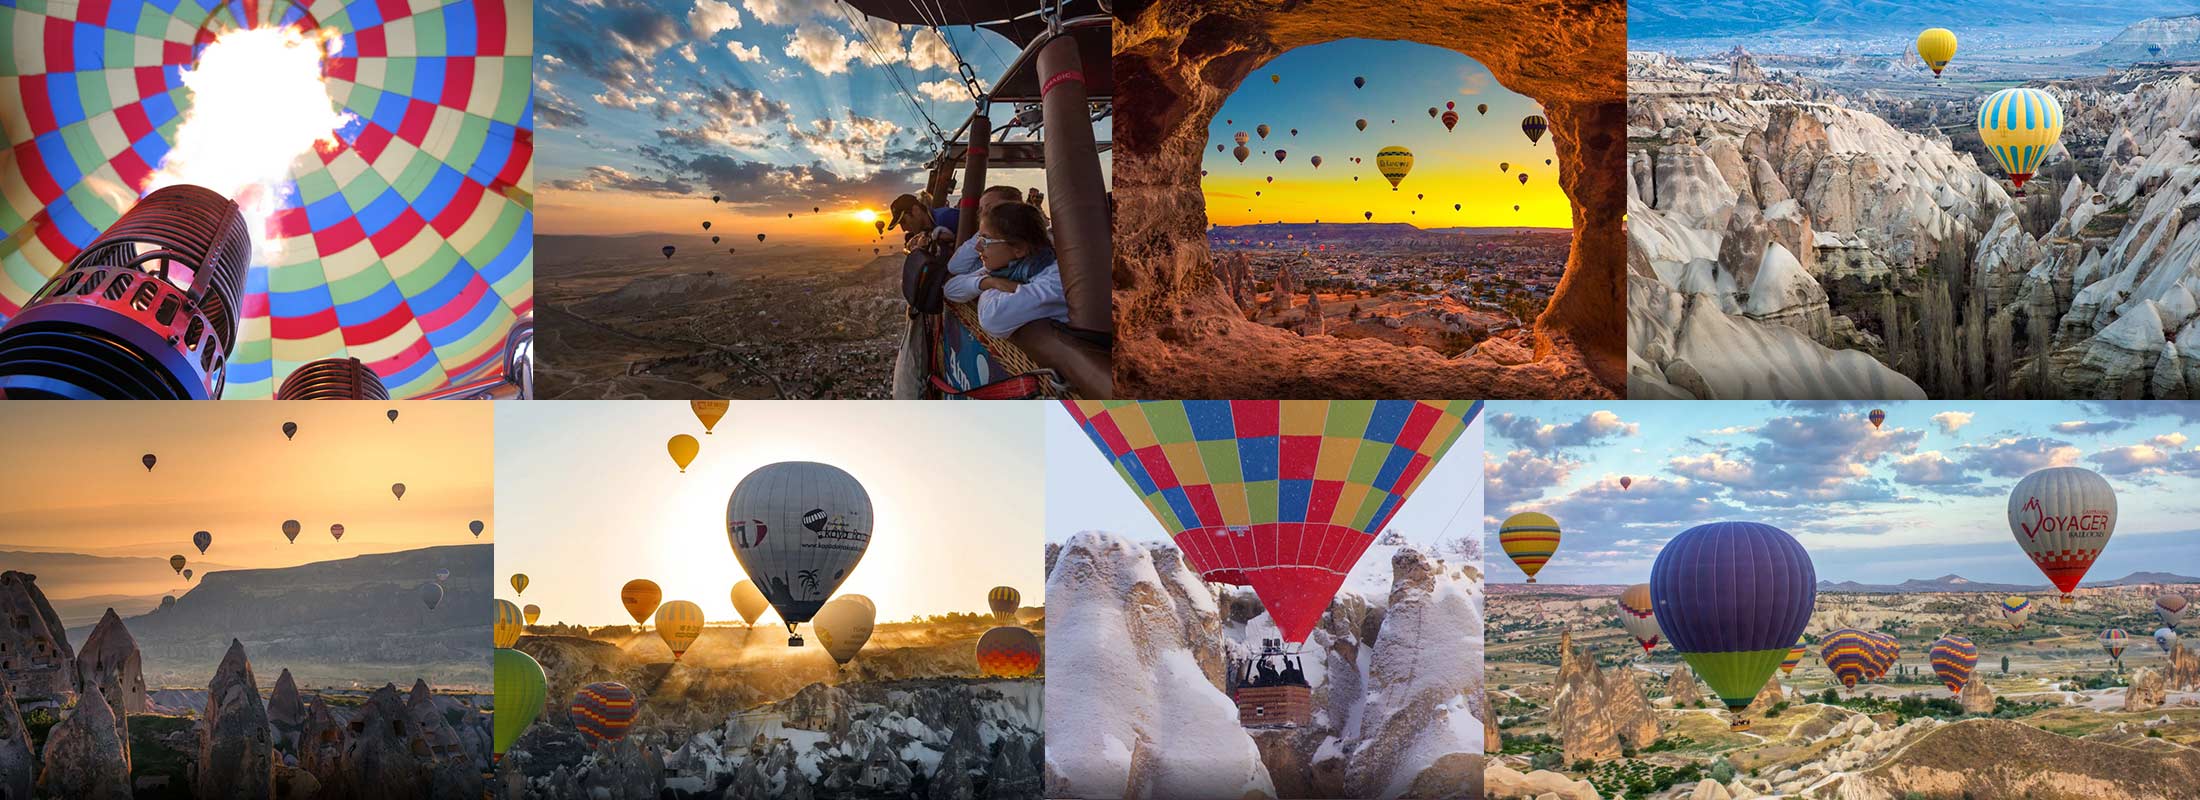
[709, 412]
[683, 449]
[1317, 161]
[1359, 82]
[176, 563]
[843, 625]
[822, 520]
[168, 601]
[1637, 617]
[431, 593]
[2014, 611]
[1794, 657]
[640, 597]
[442, 575]
[1625, 482]
[1394, 162]
[813, 209]
[1451, 120]
[679, 622]
[715, 198]
[1523, 179]
[187, 573]
[1953, 657]
[1533, 126]
[519, 583]
[1294, 131]
[748, 602]
[2112, 642]
[2165, 638]
[1240, 137]
[1546, 162]
[1360, 123]
[148, 460]
[202, 540]
[1884, 650]
[520, 689]
[1279, 156]
[1455, 206]
[1241, 152]
[336, 531]
[668, 250]
[2019, 125]
[530, 612]
[881, 224]
[1937, 46]
[706, 223]
[1369, 215]
[1732, 597]
[509, 625]
[2169, 607]
[392, 414]
[398, 489]
[1516, 208]
[1529, 540]
[2062, 517]
[291, 529]
[1504, 166]
[603, 711]
[714, 240]
[1877, 417]
[1262, 130]
[476, 527]
[290, 430]
[1233, 481]
[1004, 600]
[1009, 652]
[1847, 653]
[760, 237]
[1481, 108]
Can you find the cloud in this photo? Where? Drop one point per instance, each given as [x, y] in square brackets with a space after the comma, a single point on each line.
[928, 50]
[1952, 421]
[1523, 476]
[687, 52]
[1587, 430]
[784, 12]
[712, 17]
[846, 145]
[944, 89]
[2159, 455]
[553, 110]
[2018, 456]
[823, 48]
[618, 99]
[2078, 426]
[608, 179]
[774, 186]
[1931, 468]
[614, 43]
[748, 54]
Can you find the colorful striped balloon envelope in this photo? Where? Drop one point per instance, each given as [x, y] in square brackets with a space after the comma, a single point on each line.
[1953, 658]
[1847, 652]
[1529, 539]
[1884, 651]
[1279, 495]
[407, 244]
[1009, 652]
[1795, 656]
[2113, 641]
[603, 711]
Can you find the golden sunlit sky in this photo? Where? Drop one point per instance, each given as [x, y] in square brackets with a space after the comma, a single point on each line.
[680, 218]
[1312, 92]
[591, 499]
[73, 481]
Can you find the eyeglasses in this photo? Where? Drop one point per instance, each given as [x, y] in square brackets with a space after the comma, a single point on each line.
[981, 241]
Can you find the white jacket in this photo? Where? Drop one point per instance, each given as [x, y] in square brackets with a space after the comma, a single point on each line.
[1001, 313]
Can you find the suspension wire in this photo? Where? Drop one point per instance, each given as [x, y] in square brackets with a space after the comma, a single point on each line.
[878, 60]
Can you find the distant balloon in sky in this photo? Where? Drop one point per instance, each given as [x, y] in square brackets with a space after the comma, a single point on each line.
[715, 198]
[1317, 161]
[2169, 608]
[798, 528]
[1533, 126]
[291, 529]
[290, 430]
[1732, 597]
[1625, 482]
[709, 412]
[2014, 611]
[1274, 78]
[1009, 652]
[509, 624]
[1241, 152]
[1482, 108]
[668, 250]
[706, 223]
[1953, 657]
[748, 602]
[2113, 641]
[531, 612]
[336, 532]
[187, 573]
[1394, 162]
[1878, 417]
[202, 540]
[2063, 517]
[640, 597]
[431, 594]
[679, 623]
[442, 575]
[1361, 123]
[1004, 600]
[1937, 46]
[1240, 137]
[398, 489]
[520, 689]
[148, 460]
[519, 583]
[1529, 539]
[760, 237]
[1637, 616]
[843, 625]
[476, 527]
[603, 711]
[392, 415]
[1359, 82]
[683, 449]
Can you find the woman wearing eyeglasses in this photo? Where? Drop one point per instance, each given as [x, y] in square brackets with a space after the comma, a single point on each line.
[1020, 282]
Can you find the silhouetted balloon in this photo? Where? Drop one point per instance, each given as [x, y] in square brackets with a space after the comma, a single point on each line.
[336, 532]
[431, 594]
[1361, 123]
[476, 527]
[843, 625]
[290, 430]
[290, 530]
[187, 573]
[706, 224]
[392, 415]
[531, 612]
[148, 460]
[714, 240]
[1533, 126]
[202, 540]
[398, 489]
[668, 250]
[1359, 82]
[748, 602]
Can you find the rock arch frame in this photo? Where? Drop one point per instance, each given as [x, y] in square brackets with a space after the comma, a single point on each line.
[1177, 334]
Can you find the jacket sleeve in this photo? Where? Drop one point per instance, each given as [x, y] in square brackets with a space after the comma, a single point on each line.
[1001, 313]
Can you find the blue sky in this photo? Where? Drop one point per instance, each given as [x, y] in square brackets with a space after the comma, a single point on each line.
[1084, 493]
[648, 107]
[1312, 92]
[1922, 497]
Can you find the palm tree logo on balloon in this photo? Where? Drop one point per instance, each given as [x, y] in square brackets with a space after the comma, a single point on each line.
[808, 579]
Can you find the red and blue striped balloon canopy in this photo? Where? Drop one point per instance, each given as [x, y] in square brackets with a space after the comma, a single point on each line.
[1953, 658]
[603, 711]
[408, 244]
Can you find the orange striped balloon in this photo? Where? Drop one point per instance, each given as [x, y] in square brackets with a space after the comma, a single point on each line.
[1529, 539]
[1953, 657]
[603, 711]
[1008, 652]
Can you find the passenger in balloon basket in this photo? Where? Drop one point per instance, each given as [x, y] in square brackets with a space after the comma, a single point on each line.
[1021, 282]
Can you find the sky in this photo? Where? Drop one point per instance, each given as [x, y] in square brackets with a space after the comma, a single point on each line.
[592, 500]
[73, 481]
[646, 108]
[1084, 493]
[1924, 496]
[1315, 95]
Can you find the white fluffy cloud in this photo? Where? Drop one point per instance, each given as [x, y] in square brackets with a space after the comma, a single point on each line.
[749, 54]
[944, 89]
[823, 48]
[712, 17]
[928, 50]
[1952, 421]
[784, 12]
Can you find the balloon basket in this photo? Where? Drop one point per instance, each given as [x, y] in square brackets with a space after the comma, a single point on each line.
[1738, 724]
[1274, 706]
[794, 641]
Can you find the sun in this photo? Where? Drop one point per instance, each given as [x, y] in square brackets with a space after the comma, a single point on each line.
[866, 216]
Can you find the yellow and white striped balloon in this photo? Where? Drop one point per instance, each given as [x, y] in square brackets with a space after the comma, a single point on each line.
[2019, 125]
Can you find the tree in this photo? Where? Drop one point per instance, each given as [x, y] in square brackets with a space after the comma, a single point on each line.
[2004, 665]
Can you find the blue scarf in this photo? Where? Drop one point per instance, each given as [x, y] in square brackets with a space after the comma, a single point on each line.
[1022, 270]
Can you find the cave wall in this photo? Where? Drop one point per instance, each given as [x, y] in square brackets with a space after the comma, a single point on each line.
[1178, 334]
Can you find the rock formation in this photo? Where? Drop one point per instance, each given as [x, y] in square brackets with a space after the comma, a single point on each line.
[1418, 715]
[1683, 687]
[1771, 695]
[2147, 690]
[84, 755]
[18, 765]
[1179, 334]
[34, 648]
[1944, 761]
[2183, 672]
[110, 663]
[1977, 697]
[1597, 715]
[286, 711]
[1504, 783]
[236, 756]
[321, 742]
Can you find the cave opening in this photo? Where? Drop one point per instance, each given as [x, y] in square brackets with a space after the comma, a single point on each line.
[1182, 334]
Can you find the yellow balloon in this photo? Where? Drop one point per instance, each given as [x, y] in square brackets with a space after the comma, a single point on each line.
[640, 596]
[509, 624]
[843, 625]
[1394, 162]
[709, 411]
[679, 623]
[532, 612]
[1938, 47]
[683, 449]
[748, 602]
[2019, 126]
[519, 583]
